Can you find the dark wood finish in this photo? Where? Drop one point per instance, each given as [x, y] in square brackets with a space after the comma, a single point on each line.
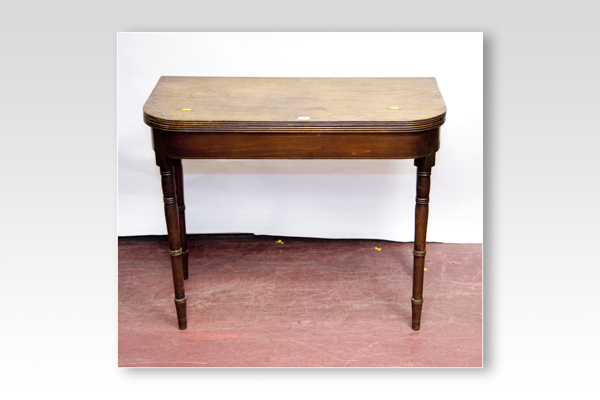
[181, 207]
[292, 118]
[299, 145]
[172, 217]
[424, 166]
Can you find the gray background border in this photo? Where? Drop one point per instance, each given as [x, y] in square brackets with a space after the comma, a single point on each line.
[58, 283]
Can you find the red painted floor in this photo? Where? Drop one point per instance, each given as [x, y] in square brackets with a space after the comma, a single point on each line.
[305, 303]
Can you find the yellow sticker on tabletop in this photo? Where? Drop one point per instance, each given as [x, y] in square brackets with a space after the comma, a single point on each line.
[186, 109]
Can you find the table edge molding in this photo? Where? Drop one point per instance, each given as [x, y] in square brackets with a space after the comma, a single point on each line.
[294, 127]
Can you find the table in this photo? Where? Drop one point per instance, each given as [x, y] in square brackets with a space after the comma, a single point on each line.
[292, 118]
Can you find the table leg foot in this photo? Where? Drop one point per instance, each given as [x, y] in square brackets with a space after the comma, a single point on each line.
[181, 313]
[417, 306]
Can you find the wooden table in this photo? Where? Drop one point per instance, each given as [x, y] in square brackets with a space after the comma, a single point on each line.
[292, 118]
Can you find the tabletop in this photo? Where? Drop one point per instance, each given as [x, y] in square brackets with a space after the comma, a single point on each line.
[203, 104]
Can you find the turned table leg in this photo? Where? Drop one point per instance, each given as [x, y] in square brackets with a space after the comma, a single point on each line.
[423, 165]
[181, 208]
[172, 217]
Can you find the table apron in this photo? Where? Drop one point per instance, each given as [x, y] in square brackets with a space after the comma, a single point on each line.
[270, 145]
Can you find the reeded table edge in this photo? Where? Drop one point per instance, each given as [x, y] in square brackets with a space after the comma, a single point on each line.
[294, 127]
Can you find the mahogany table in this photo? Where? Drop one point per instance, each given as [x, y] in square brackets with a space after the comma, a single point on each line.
[292, 118]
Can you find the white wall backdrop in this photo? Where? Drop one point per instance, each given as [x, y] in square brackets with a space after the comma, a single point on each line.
[312, 198]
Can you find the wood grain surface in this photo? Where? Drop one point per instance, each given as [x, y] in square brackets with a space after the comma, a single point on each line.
[238, 104]
[298, 145]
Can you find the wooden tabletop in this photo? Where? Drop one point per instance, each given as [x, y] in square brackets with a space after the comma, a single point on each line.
[236, 104]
